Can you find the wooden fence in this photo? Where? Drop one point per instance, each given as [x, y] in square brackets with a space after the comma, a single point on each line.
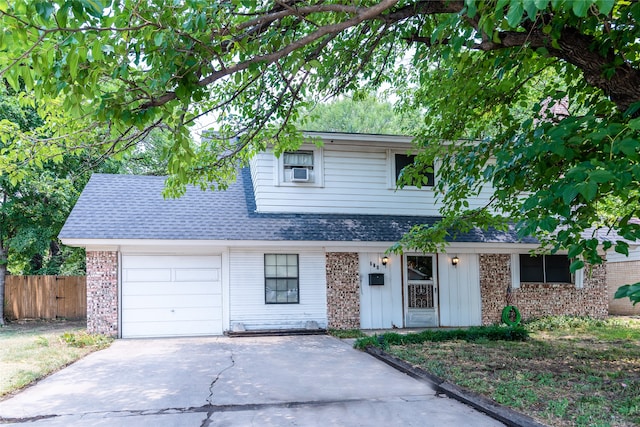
[45, 297]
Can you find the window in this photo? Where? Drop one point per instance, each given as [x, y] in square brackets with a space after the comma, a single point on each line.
[298, 166]
[545, 268]
[403, 160]
[281, 279]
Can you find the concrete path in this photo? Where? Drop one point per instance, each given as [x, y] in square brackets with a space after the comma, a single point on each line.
[219, 381]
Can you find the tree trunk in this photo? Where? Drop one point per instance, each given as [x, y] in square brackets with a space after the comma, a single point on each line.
[3, 273]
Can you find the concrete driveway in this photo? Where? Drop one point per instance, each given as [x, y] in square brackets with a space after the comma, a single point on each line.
[219, 381]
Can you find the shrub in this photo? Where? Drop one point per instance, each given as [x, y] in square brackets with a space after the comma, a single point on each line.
[490, 333]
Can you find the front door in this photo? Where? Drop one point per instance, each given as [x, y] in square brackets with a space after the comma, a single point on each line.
[421, 290]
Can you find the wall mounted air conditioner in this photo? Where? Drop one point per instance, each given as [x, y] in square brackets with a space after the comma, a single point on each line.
[299, 174]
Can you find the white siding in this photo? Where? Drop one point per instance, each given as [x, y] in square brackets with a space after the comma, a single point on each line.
[634, 255]
[247, 292]
[356, 179]
[380, 306]
[460, 303]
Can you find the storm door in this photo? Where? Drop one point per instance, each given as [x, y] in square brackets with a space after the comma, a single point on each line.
[421, 291]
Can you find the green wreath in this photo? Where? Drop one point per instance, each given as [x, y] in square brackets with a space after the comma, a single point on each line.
[506, 315]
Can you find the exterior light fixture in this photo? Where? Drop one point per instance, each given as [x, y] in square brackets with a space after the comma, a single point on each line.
[454, 261]
[385, 260]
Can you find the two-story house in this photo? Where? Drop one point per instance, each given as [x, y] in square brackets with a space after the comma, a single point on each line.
[299, 241]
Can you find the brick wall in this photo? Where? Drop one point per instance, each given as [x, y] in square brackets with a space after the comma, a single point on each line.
[102, 292]
[539, 299]
[343, 290]
[618, 274]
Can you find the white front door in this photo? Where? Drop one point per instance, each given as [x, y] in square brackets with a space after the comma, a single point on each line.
[421, 291]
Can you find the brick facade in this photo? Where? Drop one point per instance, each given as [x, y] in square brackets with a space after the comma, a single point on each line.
[343, 290]
[618, 274]
[102, 292]
[539, 299]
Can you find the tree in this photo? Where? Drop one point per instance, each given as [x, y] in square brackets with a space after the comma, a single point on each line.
[34, 208]
[483, 69]
[364, 114]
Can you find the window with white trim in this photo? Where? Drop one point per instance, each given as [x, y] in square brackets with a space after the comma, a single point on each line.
[400, 161]
[281, 281]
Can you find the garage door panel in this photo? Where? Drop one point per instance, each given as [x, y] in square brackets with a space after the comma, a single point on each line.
[166, 295]
[147, 275]
[197, 275]
[172, 288]
[168, 329]
[173, 315]
[162, 301]
[171, 261]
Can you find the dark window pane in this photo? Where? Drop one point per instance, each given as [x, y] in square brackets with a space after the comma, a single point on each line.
[557, 268]
[420, 267]
[402, 160]
[531, 268]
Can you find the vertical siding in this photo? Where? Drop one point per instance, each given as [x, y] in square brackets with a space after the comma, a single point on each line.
[356, 180]
[380, 306]
[246, 294]
[459, 291]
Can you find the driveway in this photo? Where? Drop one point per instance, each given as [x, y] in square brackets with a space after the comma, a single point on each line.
[220, 381]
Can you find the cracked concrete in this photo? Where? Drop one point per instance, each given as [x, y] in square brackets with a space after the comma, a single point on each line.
[219, 381]
[207, 421]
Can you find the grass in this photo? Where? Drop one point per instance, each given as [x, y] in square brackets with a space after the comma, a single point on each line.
[33, 350]
[570, 372]
[347, 333]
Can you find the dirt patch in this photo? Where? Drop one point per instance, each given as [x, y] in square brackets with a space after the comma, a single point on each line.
[37, 325]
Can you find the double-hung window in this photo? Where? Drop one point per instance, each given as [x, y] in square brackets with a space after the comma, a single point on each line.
[282, 285]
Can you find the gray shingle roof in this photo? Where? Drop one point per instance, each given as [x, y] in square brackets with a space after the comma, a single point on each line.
[132, 207]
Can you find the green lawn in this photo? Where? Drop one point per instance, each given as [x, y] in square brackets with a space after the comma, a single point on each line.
[32, 350]
[571, 372]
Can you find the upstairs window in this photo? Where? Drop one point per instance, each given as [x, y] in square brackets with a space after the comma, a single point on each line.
[281, 279]
[403, 160]
[298, 166]
[545, 269]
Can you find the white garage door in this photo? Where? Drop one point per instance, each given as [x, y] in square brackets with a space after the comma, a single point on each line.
[171, 296]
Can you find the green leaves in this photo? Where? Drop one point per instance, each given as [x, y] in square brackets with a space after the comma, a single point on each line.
[629, 291]
[516, 11]
[45, 9]
[580, 7]
[588, 190]
[605, 6]
[531, 136]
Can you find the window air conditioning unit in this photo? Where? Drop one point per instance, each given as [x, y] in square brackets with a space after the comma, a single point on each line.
[299, 174]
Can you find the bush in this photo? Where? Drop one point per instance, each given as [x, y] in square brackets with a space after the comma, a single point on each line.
[490, 333]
